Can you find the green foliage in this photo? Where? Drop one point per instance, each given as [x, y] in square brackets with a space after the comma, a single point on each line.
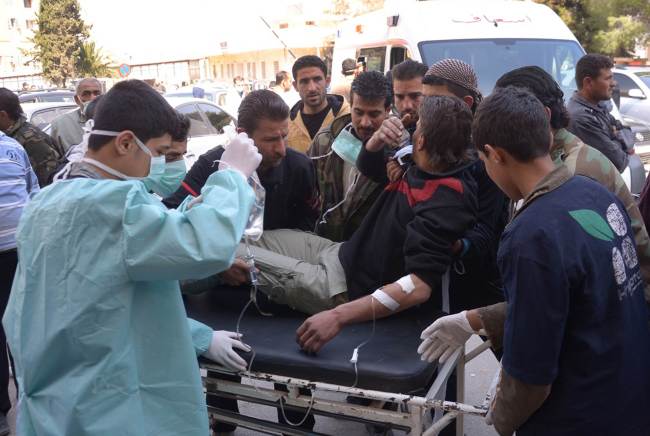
[612, 27]
[59, 39]
[621, 36]
[92, 63]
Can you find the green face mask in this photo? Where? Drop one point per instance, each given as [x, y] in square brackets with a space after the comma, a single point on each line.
[168, 182]
[347, 146]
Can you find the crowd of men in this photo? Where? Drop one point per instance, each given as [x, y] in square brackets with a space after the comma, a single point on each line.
[516, 198]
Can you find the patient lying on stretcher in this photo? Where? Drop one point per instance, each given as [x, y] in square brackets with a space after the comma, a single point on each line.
[401, 250]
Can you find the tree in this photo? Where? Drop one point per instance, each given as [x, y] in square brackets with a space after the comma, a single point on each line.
[59, 39]
[611, 27]
[92, 63]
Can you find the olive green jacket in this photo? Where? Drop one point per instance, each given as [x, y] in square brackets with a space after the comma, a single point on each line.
[344, 220]
[42, 152]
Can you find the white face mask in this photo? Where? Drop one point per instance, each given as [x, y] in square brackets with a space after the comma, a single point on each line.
[156, 164]
[347, 146]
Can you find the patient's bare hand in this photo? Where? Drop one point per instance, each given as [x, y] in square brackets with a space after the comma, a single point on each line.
[318, 330]
[394, 171]
[237, 274]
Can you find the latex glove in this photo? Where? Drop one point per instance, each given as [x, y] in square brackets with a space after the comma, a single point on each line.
[194, 201]
[241, 155]
[221, 350]
[442, 338]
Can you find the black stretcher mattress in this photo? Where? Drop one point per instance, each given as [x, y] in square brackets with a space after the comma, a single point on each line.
[389, 362]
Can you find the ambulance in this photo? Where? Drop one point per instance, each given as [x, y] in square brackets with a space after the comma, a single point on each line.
[494, 36]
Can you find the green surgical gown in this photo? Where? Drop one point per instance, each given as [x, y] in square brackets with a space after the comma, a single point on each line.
[95, 321]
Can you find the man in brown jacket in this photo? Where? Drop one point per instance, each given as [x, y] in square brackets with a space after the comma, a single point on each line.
[316, 109]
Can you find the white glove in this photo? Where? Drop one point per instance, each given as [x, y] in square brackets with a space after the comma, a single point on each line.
[241, 155]
[444, 337]
[222, 351]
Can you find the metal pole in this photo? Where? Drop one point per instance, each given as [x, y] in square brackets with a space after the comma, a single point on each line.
[278, 37]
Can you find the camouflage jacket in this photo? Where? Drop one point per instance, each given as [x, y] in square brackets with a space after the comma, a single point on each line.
[584, 160]
[345, 219]
[40, 148]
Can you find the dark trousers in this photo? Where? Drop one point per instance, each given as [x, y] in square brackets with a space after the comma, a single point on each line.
[8, 264]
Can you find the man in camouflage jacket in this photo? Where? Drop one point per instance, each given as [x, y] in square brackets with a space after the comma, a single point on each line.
[346, 194]
[40, 148]
[43, 154]
[339, 224]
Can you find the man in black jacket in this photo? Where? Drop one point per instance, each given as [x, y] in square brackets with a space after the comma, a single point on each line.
[397, 257]
[289, 178]
[590, 117]
[292, 199]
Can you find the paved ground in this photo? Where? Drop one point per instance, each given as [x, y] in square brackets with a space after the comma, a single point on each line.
[479, 374]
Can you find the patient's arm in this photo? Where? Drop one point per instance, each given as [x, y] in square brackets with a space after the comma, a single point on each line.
[319, 329]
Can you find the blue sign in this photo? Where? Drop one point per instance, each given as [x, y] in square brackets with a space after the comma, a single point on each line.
[124, 70]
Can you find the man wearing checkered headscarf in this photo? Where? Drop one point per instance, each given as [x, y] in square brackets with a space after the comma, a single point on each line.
[476, 251]
[453, 77]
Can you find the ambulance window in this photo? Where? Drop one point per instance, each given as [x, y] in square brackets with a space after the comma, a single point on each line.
[375, 58]
[397, 55]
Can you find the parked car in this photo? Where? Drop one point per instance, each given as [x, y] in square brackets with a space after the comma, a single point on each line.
[42, 114]
[58, 95]
[225, 97]
[209, 124]
[634, 84]
[641, 132]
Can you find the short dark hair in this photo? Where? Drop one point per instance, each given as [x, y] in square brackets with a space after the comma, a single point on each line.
[259, 104]
[514, 120]
[281, 76]
[9, 103]
[182, 129]
[306, 62]
[446, 125]
[372, 86]
[408, 70]
[136, 106]
[454, 88]
[348, 66]
[590, 65]
[542, 85]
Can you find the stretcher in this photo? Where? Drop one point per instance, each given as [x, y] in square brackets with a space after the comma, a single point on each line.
[389, 370]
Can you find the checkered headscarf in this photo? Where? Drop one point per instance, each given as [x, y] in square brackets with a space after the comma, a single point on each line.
[456, 71]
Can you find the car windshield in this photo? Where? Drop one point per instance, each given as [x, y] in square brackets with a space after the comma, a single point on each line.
[644, 76]
[491, 58]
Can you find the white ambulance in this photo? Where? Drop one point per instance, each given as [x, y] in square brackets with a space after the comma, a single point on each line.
[492, 36]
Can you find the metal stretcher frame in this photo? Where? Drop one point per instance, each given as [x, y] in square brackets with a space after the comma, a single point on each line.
[411, 414]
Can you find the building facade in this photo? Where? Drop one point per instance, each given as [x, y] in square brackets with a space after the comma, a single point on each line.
[17, 25]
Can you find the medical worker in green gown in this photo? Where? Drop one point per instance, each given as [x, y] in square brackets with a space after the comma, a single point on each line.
[95, 321]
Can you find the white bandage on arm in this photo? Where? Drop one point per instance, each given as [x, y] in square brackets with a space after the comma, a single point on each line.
[406, 283]
[385, 299]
